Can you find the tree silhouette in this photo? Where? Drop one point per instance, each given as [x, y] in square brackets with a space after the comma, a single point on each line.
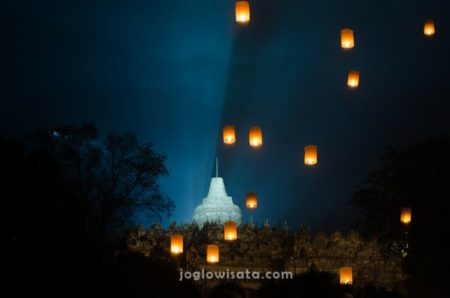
[70, 196]
[417, 177]
[111, 179]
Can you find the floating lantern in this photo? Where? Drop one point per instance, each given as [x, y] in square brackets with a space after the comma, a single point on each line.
[242, 12]
[251, 200]
[230, 230]
[346, 276]
[229, 135]
[428, 28]
[255, 137]
[353, 79]
[176, 244]
[212, 253]
[347, 38]
[405, 215]
[310, 155]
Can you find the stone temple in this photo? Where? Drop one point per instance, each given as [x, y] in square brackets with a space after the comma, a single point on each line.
[217, 207]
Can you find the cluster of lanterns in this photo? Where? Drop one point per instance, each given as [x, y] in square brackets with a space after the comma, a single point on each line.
[256, 140]
[212, 250]
[347, 43]
[346, 273]
[230, 234]
[242, 10]
[242, 13]
[255, 137]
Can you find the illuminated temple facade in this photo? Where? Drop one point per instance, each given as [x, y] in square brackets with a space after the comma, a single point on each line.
[217, 207]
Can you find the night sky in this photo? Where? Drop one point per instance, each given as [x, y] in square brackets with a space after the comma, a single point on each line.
[176, 71]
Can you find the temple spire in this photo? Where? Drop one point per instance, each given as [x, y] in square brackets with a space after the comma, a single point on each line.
[217, 167]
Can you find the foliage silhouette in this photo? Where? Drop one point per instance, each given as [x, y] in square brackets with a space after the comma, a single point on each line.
[70, 197]
[417, 177]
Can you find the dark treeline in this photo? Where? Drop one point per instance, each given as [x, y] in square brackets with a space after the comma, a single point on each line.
[418, 177]
[69, 198]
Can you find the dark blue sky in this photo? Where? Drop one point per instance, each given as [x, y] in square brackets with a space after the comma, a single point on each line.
[176, 71]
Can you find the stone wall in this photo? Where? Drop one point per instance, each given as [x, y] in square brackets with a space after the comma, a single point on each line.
[275, 249]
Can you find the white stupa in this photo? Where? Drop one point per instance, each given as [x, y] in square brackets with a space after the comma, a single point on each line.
[217, 207]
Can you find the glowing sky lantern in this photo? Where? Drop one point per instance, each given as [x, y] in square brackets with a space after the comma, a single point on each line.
[428, 28]
[310, 155]
[212, 253]
[405, 215]
[230, 230]
[176, 244]
[251, 200]
[346, 276]
[229, 134]
[255, 137]
[242, 12]
[353, 79]
[347, 38]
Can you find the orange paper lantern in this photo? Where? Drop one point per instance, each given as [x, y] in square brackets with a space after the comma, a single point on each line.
[428, 28]
[242, 12]
[346, 276]
[255, 137]
[347, 38]
[251, 200]
[310, 155]
[230, 230]
[212, 253]
[406, 215]
[229, 134]
[353, 79]
[176, 244]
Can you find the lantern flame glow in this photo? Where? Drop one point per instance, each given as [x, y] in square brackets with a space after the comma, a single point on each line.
[346, 276]
[406, 215]
[310, 155]
[428, 28]
[212, 253]
[230, 231]
[229, 134]
[176, 244]
[353, 79]
[242, 12]
[255, 137]
[251, 200]
[347, 38]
